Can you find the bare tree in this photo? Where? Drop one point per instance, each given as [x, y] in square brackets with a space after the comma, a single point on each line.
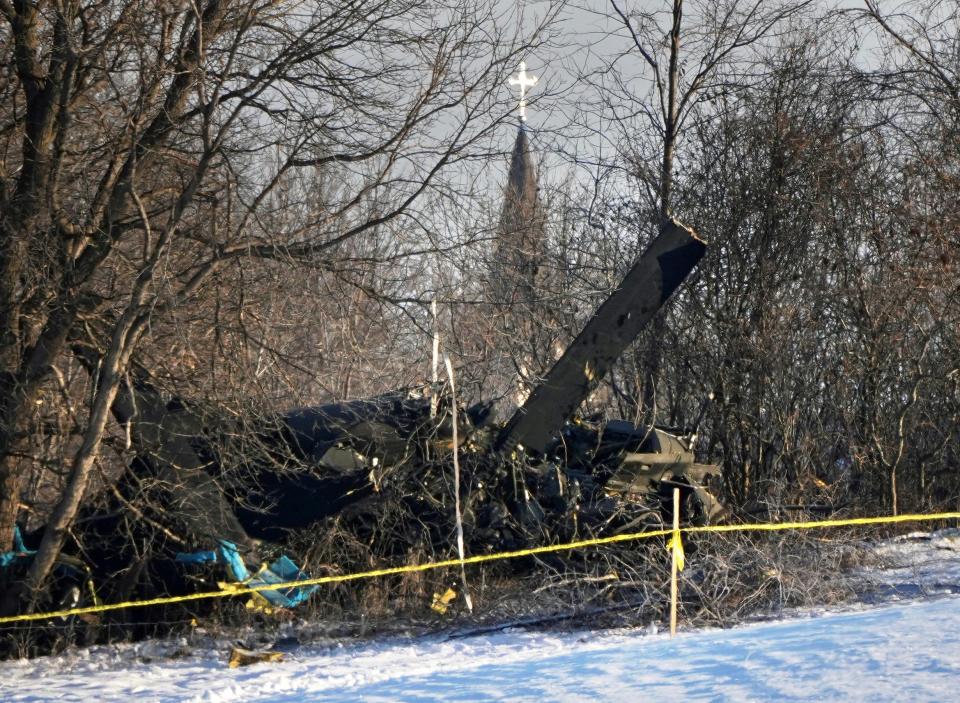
[673, 60]
[146, 146]
[670, 63]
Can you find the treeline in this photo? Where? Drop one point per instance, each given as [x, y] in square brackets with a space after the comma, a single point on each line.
[220, 197]
[824, 169]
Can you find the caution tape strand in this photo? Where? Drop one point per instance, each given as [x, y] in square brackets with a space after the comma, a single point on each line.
[479, 559]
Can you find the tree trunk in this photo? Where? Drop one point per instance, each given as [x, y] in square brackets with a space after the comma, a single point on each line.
[10, 483]
[893, 490]
[671, 116]
[110, 375]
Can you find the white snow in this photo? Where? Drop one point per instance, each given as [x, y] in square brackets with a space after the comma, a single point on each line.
[907, 650]
[919, 563]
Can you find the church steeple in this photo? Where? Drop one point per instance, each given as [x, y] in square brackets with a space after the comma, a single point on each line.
[517, 266]
[520, 234]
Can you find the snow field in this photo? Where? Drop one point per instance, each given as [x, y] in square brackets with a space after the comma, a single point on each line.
[905, 651]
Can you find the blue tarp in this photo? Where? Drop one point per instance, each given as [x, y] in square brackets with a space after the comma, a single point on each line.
[19, 550]
[282, 570]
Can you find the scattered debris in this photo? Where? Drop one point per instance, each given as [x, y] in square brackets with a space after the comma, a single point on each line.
[441, 603]
[376, 473]
[245, 657]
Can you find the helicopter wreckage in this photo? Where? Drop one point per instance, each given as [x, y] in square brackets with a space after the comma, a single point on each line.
[379, 470]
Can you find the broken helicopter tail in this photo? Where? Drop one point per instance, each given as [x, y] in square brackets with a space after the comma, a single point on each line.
[614, 326]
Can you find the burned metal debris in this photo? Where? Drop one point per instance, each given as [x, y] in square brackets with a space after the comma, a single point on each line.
[379, 470]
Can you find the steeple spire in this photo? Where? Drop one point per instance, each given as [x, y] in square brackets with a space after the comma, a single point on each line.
[518, 266]
[520, 235]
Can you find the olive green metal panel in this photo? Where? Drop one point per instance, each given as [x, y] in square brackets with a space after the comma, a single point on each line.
[614, 326]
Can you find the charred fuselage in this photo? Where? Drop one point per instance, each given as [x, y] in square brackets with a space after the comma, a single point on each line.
[356, 462]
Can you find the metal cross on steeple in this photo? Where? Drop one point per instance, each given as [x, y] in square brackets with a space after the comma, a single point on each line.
[523, 80]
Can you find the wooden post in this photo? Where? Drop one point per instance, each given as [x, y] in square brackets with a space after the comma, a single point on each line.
[673, 563]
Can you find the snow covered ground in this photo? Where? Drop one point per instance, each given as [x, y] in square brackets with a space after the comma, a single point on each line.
[907, 649]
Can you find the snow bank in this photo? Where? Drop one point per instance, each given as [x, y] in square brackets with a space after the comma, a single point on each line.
[907, 651]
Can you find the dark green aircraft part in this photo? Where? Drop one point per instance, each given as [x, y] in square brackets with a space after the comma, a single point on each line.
[614, 326]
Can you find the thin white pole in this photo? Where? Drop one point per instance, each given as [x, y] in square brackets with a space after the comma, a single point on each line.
[456, 481]
[435, 376]
[673, 562]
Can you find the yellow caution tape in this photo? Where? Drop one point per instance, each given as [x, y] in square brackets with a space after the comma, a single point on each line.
[239, 589]
[257, 603]
[675, 545]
